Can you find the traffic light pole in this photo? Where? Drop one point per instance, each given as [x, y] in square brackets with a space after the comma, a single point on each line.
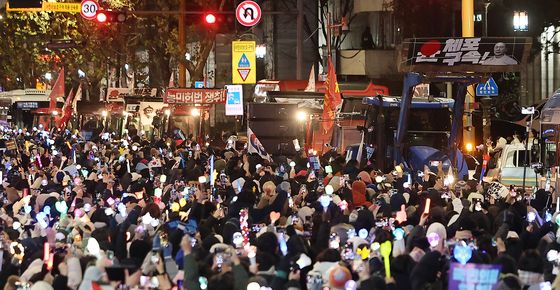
[182, 42]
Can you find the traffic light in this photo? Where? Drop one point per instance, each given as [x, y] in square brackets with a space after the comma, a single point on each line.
[210, 18]
[109, 16]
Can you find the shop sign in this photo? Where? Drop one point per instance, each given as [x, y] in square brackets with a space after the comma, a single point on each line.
[118, 94]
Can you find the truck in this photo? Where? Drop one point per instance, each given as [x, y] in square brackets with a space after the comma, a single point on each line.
[310, 103]
[418, 132]
[535, 163]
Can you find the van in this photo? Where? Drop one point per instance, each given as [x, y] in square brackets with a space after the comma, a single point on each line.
[510, 165]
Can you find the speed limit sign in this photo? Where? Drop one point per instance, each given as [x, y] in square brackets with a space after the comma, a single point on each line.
[89, 9]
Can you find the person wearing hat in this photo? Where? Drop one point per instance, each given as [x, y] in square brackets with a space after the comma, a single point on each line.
[359, 194]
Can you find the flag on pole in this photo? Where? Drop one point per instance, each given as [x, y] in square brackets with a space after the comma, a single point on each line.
[68, 101]
[333, 97]
[212, 177]
[255, 146]
[171, 80]
[360, 149]
[78, 97]
[57, 90]
[311, 83]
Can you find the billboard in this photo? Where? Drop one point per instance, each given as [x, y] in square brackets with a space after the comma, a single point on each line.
[458, 54]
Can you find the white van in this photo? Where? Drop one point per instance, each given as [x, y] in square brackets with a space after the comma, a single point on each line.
[510, 165]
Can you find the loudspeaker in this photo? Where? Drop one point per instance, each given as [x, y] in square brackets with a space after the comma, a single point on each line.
[275, 125]
[273, 128]
[272, 111]
[278, 146]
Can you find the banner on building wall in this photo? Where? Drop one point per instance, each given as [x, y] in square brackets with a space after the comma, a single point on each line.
[195, 96]
[457, 54]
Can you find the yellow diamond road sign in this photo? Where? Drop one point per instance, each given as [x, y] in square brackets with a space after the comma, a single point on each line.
[243, 62]
[49, 7]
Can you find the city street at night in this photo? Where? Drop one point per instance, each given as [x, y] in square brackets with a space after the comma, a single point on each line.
[279, 144]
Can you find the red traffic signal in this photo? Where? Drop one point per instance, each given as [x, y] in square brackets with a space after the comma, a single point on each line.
[108, 16]
[210, 18]
[101, 17]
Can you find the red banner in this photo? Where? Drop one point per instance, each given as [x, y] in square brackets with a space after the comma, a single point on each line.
[57, 90]
[195, 96]
[333, 98]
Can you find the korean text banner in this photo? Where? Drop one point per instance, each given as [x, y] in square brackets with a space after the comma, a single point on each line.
[473, 276]
[243, 62]
[474, 54]
[194, 96]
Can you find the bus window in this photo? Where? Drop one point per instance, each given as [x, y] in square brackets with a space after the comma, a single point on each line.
[521, 157]
[510, 159]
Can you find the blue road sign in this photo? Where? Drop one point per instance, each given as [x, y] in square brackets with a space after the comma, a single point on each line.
[244, 62]
[488, 89]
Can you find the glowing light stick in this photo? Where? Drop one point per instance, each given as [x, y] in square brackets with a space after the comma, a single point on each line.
[398, 233]
[363, 233]
[385, 250]
[252, 255]
[462, 253]
[243, 217]
[433, 239]
[50, 262]
[427, 207]
[46, 252]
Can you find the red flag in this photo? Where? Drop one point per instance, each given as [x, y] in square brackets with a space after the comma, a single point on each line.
[171, 80]
[333, 98]
[67, 108]
[57, 90]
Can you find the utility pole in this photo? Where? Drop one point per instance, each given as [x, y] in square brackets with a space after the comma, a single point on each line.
[486, 4]
[467, 12]
[486, 102]
[182, 43]
[299, 40]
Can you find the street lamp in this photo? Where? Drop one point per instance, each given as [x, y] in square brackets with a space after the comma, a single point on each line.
[520, 21]
[48, 76]
[53, 116]
[301, 116]
[195, 112]
[104, 113]
[260, 51]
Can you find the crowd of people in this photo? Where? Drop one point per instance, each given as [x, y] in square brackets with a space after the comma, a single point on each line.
[132, 213]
